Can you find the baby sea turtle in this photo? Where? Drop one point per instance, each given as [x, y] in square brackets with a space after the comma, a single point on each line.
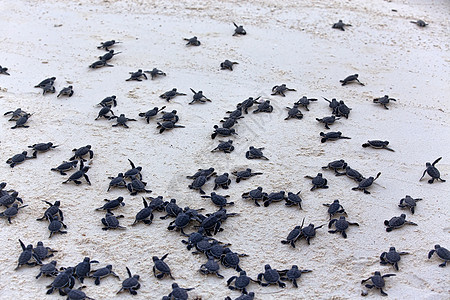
[340, 25]
[280, 90]
[332, 136]
[228, 122]
[78, 174]
[121, 120]
[169, 116]
[171, 94]
[271, 276]
[102, 273]
[27, 257]
[392, 257]
[83, 269]
[136, 186]
[11, 212]
[161, 269]
[198, 183]
[236, 114]
[4, 70]
[377, 144]
[110, 221]
[231, 259]
[65, 166]
[46, 81]
[155, 73]
[293, 274]
[118, 181]
[249, 296]
[99, 63]
[366, 183]
[293, 199]
[341, 225]
[318, 181]
[327, 121]
[351, 173]
[107, 44]
[55, 226]
[76, 294]
[432, 171]
[18, 158]
[351, 78]
[134, 172]
[63, 280]
[202, 172]
[255, 153]
[342, 110]
[20, 122]
[274, 197]
[151, 113]
[145, 215]
[245, 174]
[383, 100]
[52, 211]
[335, 208]
[112, 204]
[109, 101]
[198, 97]
[48, 270]
[239, 30]
[419, 23]
[222, 131]
[67, 91]
[48, 88]
[264, 107]
[167, 126]
[15, 114]
[304, 101]
[247, 103]
[240, 282]
[130, 284]
[8, 199]
[43, 252]
[397, 222]
[298, 232]
[294, 112]
[228, 65]
[109, 55]
[377, 281]
[193, 41]
[136, 75]
[225, 146]
[335, 165]
[82, 151]
[172, 209]
[42, 147]
[333, 104]
[178, 292]
[222, 181]
[210, 267]
[442, 253]
[255, 195]
[409, 202]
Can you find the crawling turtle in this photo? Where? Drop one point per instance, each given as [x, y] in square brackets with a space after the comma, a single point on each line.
[366, 183]
[350, 79]
[178, 292]
[145, 215]
[228, 65]
[293, 274]
[225, 146]
[419, 23]
[134, 172]
[332, 136]
[294, 112]
[108, 101]
[304, 101]
[293, 236]
[9, 199]
[240, 282]
[335, 208]
[293, 199]
[333, 104]
[171, 208]
[109, 55]
[130, 284]
[228, 122]
[351, 173]
[198, 183]
[104, 111]
[342, 110]
[136, 186]
[55, 226]
[102, 273]
[327, 121]
[255, 153]
[151, 113]
[112, 204]
[181, 221]
[341, 225]
[237, 113]
[335, 165]
[161, 267]
[340, 25]
[107, 44]
[99, 63]
[245, 174]
[264, 107]
[409, 202]
[76, 294]
[397, 222]
[247, 103]
[222, 181]
[83, 269]
[21, 121]
[137, 75]
[4, 71]
[65, 166]
[193, 41]
[67, 91]
[271, 276]
[63, 280]
[318, 181]
[46, 81]
[18, 158]
[432, 171]
[168, 125]
[383, 100]
[377, 144]
[82, 151]
[255, 195]
[15, 114]
[155, 73]
[392, 257]
[48, 270]
[442, 253]
[27, 257]
[198, 97]
[280, 90]
[43, 252]
[210, 267]
[239, 30]
[171, 94]
[202, 172]
[78, 174]
[170, 116]
[249, 296]
[42, 147]
[377, 281]
[121, 120]
[52, 211]
[110, 221]
[222, 131]
[309, 231]
[118, 181]
[231, 259]
[48, 88]
[274, 197]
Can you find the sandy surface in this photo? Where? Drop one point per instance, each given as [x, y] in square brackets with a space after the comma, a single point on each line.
[288, 43]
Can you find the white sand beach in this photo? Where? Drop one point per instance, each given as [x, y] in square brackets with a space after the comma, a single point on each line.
[290, 42]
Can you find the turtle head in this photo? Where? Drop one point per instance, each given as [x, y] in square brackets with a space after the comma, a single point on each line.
[136, 277]
[377, 273]
[174, 285]
[88, 146]
[120, 199]
[336, 201]
[2, 185]
[113, 96]
[14, 194]
[437, 246]
[267, 267]
[30, 247]
[294, 267]
[341, 218]
[403, 216]
[155, 258]
[24, 152]
[109, 267]
[40, 243]
[242, 273]
[87, 259]
[392, 249]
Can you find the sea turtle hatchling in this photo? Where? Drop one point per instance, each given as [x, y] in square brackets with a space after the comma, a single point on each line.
[99, 63]
[340, 25]
[210, 267]
[52, 211]
[193, 41]
[170, 116]
[55, 226]
[255, 195]
[76, 294]
[83, 269]
[240, 282]
[327, 121]
[82, 151]
[178, 292]
[65, 166]
[171, 208]
[110, 221]
[121, 120]
[264, 106]
[442, 253]
[107, 44]
[293, 275]
[63, 280]
[397, 222]
[21, 121]
[9, 199]
[419, 23]
[305, 101]
[155, 73]
[134, 172]
[202, 172]
[271, 276]
[112, 204]
[11, 212]
[108, 56]
[293, 199]
[350, 79]
[409, 202]
[198, 97]
[294, 112]
[27, 257]
[231, 259]
[18, 159]
[104, 111]
[383, 100]
[79, 174]
[228, 122]
[377, 144]
[46, 81]
[351, 173]
[15, 114]
[318, 181]
[168, 125]
[198, 183]
[108, 101]
[136, 75]
[145, 214]
[377, 281]
[43, 252]
[366, 183]
[48, 270]
[4, 71]
[432, 171]
[274, 197]
[102, 273]
[332, 136]
[151, 113]
[118, 181]
[161, 269]
[247, 103]
[222, 131]
[137, 186]
[255, 153]
[280, 90]
[336, 165]
[249, 296]
[169, 95]
[48, 88]
[67, 91]
[222, 181]
[239, 30]
[225, 146]
[392, 257]
[333, 104]
[341, 225]
[245, 174]
[335, 208]
[228, 65]
[130, 284]
[42, 147]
